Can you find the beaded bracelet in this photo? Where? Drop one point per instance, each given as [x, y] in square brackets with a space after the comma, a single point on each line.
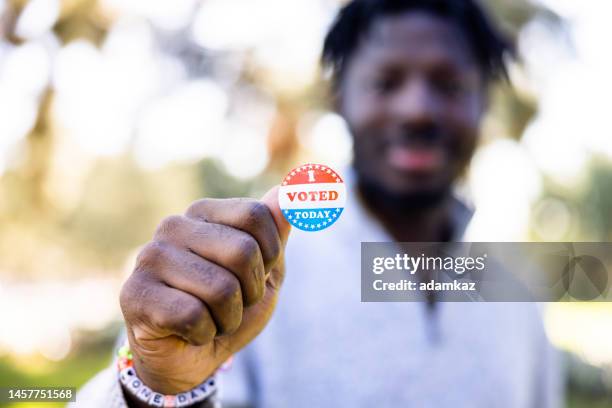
[129, 379]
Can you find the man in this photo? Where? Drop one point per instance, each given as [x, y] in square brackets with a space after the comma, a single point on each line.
[410, 78]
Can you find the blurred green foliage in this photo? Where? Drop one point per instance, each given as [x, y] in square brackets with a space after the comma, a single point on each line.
[93, 354]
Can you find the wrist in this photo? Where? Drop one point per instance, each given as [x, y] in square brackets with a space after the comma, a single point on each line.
[139, 392]
[165, 382]
[137, 395]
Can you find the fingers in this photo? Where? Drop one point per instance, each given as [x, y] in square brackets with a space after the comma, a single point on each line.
[155, 310]
[215, 286]
[232, 249]
[250, 216]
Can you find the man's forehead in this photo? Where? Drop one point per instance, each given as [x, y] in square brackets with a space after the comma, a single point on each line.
[416, 33]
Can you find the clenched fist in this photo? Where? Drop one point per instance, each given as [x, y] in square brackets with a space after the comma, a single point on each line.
[203, 288]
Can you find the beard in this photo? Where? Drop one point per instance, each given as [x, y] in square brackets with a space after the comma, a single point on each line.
[375, 192]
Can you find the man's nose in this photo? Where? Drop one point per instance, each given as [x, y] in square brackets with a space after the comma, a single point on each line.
[415, 104]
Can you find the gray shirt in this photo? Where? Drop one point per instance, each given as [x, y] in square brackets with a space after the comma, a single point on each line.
[325, 348]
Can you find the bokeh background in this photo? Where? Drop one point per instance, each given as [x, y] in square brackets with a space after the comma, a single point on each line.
[116, 113]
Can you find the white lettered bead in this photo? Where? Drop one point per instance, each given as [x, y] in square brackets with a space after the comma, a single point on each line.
[156, 400]
[126, 375]
[183, 399]
[134, 385]
[144, 393]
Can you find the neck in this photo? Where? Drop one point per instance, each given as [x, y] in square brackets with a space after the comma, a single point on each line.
[431, 223]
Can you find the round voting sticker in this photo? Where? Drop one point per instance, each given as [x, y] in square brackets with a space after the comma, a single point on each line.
[312, 197]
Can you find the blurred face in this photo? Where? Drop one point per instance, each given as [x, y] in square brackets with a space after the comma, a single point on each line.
[413, 98]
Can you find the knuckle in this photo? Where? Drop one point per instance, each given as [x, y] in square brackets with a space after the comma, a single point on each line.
[256, 213]
[189, 316]
[258, 219]
[183, 317]
[125, 296]
[163, 320]
[132, 296]
[198, 209]
[150, 255]
[170, 225]
[246, 252]
[227, 293]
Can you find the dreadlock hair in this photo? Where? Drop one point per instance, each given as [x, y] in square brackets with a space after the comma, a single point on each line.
[489, 46]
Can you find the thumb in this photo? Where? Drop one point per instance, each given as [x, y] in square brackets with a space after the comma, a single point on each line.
[270, 199]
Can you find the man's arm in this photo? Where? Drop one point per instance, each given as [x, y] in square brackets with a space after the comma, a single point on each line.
[202, 289]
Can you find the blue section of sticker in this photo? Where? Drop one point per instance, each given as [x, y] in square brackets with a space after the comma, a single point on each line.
[312, 219]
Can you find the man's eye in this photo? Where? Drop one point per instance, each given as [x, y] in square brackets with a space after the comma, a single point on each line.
[451, 87]
[384, 85]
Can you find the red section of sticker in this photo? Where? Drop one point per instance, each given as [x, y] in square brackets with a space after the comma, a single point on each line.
[312, 173]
